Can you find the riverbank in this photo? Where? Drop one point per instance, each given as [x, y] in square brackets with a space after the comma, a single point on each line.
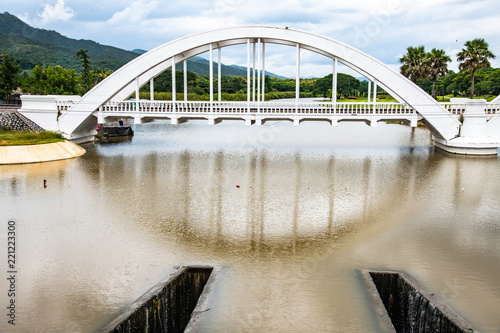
[39, 153]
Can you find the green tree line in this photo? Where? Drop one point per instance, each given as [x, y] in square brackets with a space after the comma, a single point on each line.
[50, 80]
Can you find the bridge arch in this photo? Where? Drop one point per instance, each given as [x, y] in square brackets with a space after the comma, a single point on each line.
[139, 71]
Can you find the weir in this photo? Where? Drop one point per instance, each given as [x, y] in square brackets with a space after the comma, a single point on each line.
[167, 307]
[404, 306]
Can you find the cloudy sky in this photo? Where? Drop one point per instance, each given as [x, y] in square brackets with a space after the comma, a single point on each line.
[381, 28]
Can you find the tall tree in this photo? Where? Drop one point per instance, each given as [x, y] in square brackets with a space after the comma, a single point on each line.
[87, 77]
[474, 56]
[415, 64]
[9, 76]
[438, 66]
[52, 81]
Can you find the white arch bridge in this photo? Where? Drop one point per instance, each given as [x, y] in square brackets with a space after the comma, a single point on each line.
[77, 117]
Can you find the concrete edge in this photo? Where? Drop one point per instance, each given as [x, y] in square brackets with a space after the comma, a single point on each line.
[432, 298]
[385, 322]
[201, 305]
[46, 152]
[205, 301]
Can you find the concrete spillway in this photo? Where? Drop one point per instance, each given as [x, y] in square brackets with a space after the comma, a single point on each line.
[409, 307]
[167, 307]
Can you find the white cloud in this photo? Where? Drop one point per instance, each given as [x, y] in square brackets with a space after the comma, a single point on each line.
[59, 12]
[25, 17]
[135, 13]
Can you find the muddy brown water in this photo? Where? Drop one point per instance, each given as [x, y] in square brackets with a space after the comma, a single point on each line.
[292, 213]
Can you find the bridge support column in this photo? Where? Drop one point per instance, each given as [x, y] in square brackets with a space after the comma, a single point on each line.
[334, 82]
[100, 116]
[296, 121]
[369, 91]
[137, 123]
[473, 139]
[258, 121]
[248, 121]
[248, 76]
[373, 122]
[263, 72]
[174, 90]
[297, 80]
[211, 121]
[414, 121]
[152, 89]
[335, 121]
[185, 81]
[174, 121]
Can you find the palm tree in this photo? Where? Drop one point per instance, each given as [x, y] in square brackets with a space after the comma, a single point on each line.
[438, 61]
[415, 64]
[474, 56]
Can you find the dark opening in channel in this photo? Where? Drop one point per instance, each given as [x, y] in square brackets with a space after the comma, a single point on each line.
[413, 310]
[167, 307]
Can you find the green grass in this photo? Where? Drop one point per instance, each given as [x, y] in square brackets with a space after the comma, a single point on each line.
[447, 98]
[364, 100]
[17, 138]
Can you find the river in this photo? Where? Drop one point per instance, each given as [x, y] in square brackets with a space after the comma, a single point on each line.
[290, 213]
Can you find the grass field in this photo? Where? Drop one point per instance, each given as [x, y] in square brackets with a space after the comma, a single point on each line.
[17, 138]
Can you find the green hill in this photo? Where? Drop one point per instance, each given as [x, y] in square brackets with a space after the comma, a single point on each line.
[199, 66]
[31, 46]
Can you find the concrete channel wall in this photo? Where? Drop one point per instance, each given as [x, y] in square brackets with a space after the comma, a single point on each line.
[167, 307]
[404, 306]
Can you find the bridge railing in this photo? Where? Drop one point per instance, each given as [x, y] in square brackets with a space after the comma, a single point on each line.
[454, 108]
[492, 108]
[274, 107]
[459, 109]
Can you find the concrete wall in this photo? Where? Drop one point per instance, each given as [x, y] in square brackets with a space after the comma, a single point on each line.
[45, 110]
[411, 308]
[167, 307]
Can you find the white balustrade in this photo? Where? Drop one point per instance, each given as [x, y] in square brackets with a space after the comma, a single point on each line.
[64, 103]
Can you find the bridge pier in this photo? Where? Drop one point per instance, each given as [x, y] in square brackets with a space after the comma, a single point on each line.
[414, 121]
[474, 136]
[174, 121]
[335, 121]
[373, 121]
[100, 116]
[137, 123]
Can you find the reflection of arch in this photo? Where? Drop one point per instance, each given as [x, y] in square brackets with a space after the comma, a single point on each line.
[121, 84]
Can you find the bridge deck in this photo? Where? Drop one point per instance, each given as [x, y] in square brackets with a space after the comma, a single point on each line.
[261, 111]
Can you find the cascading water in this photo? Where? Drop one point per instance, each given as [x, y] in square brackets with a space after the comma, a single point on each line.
[167, 307]
[413, 310]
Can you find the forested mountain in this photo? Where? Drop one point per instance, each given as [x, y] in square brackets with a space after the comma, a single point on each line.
[199, 66]
[30, 47]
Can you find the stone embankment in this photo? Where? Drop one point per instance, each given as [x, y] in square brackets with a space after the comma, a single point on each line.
[10, 118]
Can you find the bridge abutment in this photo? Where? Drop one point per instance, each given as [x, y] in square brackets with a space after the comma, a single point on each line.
[475, 138]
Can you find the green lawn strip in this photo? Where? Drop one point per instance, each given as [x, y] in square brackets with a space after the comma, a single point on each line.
[17, 138]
